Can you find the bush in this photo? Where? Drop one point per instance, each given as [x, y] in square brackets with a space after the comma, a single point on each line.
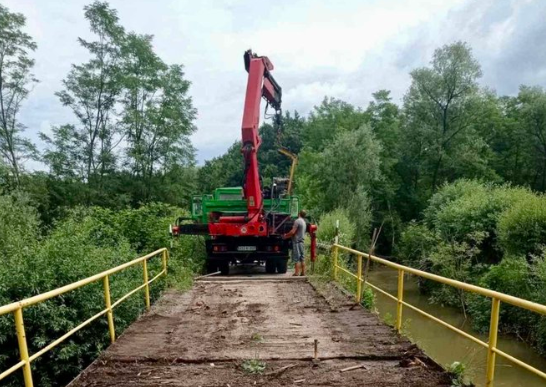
[19, 227]
[147, 227]
[510, 277]
[327, 227]
[522, 228]
[323, 268]
[514, 276]
[88, 241]
[416, 244]
[326, 233]
[489, 235]
[459, 211]
[447, 194]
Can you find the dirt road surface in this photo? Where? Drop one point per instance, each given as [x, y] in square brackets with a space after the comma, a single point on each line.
[205, 336]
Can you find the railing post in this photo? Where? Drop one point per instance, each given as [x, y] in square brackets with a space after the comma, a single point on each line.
[164, 260]
[23, 349]
[109, 314]
[359, 280]
[336, 250]
[493, 332]
[400, 299]
[146, 284]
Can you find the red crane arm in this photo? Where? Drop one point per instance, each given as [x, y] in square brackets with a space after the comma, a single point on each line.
[260, 84]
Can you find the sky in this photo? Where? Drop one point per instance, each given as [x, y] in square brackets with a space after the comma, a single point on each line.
[346, 49]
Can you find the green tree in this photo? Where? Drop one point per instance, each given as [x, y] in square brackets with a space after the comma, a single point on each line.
[501, 125]
[63, 153]
[16, 79]
[92, 89]
[532, 102]
[157, 113]
[359, 208]
[441, 106]
[331, 177]
[384, 119]
[328, 119]
[272, 162]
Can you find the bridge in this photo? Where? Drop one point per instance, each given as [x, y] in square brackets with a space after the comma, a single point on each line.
[261, 329]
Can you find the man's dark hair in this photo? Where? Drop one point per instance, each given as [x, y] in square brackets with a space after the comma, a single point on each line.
[303, 213]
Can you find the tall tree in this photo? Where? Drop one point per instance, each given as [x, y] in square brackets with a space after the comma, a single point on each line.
[441, 141]
[272, 162]
[16, 79]
[384, 119]
[158, 114]
[532, 102]
[329, 179]
[328, 119]
[142, 70]
[64, 153]
[91, 91]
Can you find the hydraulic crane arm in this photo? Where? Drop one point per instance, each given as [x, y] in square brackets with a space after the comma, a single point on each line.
[260, 84]
[272, 92]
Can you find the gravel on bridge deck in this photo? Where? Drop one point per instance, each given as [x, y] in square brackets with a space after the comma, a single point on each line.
[202, 338]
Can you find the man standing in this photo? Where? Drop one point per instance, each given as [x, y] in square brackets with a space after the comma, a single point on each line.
[298, 235]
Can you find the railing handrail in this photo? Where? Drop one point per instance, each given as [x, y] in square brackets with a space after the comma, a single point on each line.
[75, 285]
[516, 301]
[496, 299]
[17, 309]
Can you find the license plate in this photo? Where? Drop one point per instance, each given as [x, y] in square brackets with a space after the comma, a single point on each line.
[246, 248]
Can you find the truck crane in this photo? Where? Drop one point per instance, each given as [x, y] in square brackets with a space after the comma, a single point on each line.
[245, 224]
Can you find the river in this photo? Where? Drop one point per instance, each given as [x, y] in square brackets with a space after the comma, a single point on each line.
[446, 346]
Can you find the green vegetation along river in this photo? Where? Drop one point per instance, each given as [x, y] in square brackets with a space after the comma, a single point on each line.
[446, 346]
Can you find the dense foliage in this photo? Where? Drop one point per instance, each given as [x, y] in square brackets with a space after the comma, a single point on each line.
[115, 182]
[323, 269]
[490, 235]
[88, 241]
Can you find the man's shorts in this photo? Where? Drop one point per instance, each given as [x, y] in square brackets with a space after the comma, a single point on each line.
[297, 252]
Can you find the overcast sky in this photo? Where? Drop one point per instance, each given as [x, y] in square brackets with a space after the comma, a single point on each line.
[343, 49]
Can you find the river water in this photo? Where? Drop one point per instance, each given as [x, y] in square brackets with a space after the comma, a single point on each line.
[446, 346]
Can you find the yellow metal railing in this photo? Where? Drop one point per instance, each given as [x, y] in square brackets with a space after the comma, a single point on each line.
[496, 299]
[17, 309]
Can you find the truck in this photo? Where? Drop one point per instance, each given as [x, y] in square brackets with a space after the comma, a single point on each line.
[246, 224]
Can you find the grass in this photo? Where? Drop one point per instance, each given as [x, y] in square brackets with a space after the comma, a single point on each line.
[458, 374]
[254, 366]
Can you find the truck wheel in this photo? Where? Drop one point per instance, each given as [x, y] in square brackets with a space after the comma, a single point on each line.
[270, 266]
[212, 267]
[282, 265]
[224, 267]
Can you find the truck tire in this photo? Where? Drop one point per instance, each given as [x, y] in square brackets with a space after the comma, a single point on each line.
[270, 266]
[282, 265]
[224, 267]
[212, 267]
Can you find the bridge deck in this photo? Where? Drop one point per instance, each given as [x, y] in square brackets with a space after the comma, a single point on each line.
[202, 337]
